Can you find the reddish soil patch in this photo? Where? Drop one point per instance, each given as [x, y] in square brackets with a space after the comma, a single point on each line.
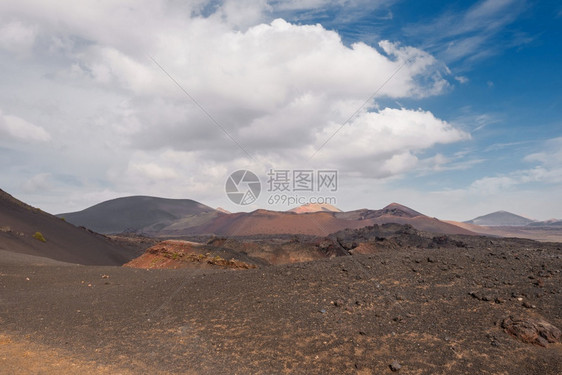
[174, 254]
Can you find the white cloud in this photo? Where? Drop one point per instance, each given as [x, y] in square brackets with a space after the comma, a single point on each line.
[279, 88]
[17, 128]
[151, 171]
[40, 183]
[547, 169]
[265, 81]
[323, 4]
[533, 192]
[16, 37]
[440, 163]
[399, 163]
[383, 143]
[243, 13]
[461, 79]
[477, 121]
[492, 185]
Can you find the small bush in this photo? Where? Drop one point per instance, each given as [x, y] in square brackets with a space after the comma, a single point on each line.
[39, 236]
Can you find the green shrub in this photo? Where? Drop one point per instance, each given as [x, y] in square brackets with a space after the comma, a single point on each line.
[38, 236]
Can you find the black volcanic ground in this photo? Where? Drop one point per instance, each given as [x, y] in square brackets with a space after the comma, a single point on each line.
[434, 309]
[371, 300]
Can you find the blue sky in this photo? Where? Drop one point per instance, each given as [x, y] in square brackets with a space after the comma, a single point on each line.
[468, 123]
[509, 96]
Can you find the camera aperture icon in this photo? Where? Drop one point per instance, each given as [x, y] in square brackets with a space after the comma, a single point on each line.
[243, 187]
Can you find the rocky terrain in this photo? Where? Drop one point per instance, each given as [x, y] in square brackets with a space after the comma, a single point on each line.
[420, 303]
[378, 299]
[174, 254]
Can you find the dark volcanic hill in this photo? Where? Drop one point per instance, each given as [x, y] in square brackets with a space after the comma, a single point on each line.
[63, 241]
[142, 214]
[500, 219]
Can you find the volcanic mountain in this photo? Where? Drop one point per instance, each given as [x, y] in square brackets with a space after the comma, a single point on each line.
[28, 230]
[318, 223]
[500, 219]
[142, 214]
[179, 217]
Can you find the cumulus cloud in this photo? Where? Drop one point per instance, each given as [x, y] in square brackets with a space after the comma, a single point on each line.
[243, 13]
[384, 143]
[278, 88]
[270, 86]
[17, 128]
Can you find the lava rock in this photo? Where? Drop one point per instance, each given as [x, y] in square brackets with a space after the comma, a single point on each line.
[395, 366]
[533, 331]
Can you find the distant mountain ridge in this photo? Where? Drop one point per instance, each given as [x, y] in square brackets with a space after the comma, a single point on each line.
[320, 223]
[177, 217]
[500, 219]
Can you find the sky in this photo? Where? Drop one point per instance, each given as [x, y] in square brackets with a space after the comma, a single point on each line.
[453, 108]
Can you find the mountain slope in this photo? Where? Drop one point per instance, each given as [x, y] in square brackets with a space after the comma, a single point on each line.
[319, 223]
[314, 207]
[500, 219]
[63, 241]
[177, 217]
[142, 214]
[552, 223]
